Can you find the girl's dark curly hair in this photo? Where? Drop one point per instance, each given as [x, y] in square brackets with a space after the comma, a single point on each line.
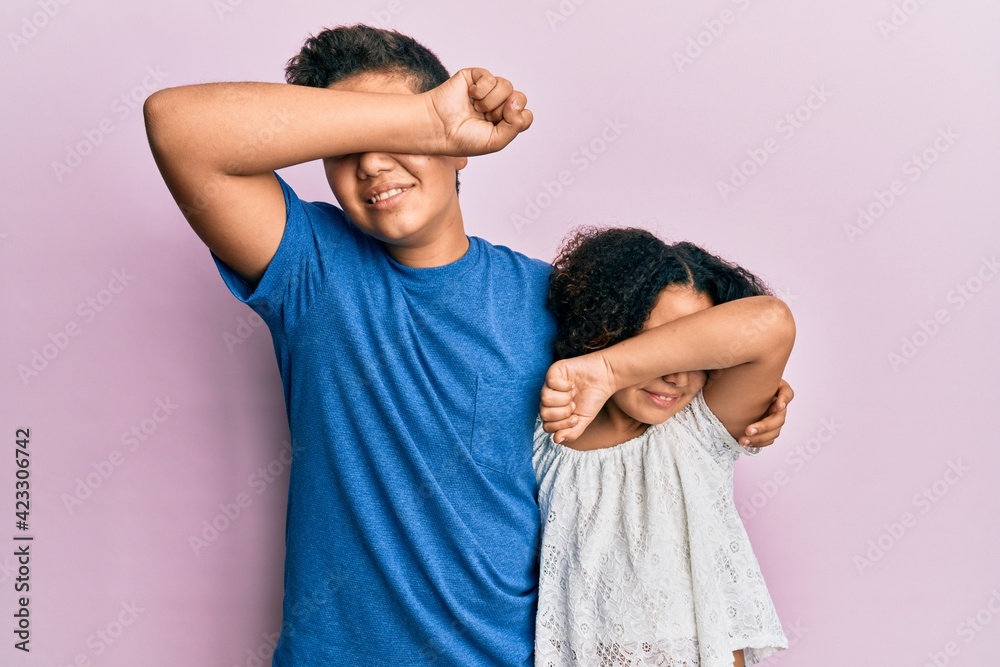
[605, 282]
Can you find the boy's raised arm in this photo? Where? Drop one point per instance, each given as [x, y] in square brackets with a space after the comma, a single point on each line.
[217, 144]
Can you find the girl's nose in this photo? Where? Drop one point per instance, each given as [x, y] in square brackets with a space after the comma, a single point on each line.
[678, 379]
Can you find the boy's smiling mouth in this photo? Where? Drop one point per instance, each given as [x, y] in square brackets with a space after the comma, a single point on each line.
[386, 195]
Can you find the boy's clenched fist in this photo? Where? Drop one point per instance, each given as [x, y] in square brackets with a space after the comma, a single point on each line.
[477, 113]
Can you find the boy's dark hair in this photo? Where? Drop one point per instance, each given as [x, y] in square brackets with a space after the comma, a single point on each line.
[605, 282]
[339, 53]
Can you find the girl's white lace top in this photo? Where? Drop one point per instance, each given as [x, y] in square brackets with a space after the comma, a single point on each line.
[644, 559]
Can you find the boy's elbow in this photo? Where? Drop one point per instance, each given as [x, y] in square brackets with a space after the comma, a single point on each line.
[155, 110]
[150, 106]
[151, 113]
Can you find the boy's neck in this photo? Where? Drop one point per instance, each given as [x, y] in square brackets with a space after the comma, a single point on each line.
[450, 246]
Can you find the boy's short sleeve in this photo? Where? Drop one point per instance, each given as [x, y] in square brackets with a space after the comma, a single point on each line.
[304, 264]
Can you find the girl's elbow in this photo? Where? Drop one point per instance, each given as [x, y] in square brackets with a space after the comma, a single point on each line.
[784, 323]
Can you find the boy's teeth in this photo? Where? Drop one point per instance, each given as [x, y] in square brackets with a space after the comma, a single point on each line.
[385, 195]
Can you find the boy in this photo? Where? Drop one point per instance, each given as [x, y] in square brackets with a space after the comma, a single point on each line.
[411, 354]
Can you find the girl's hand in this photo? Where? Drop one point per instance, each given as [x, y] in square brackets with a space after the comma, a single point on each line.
[477, 113]
[764, 432]
[575, 391]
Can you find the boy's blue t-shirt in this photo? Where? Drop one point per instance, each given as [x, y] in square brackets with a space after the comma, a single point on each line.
[412, 525]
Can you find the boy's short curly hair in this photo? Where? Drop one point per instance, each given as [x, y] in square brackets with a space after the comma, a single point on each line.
[339, 53]
[606, 280]
[345, 51]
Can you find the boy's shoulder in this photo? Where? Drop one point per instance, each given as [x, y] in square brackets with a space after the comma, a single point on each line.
[532, 264]
[312, 211]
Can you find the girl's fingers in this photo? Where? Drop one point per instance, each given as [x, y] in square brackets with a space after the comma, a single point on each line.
[561, 425]
[760, 438]
[551, 414]
[555, 398]
[784, 397]
[567, 435]
[556, 380]
[772, 422]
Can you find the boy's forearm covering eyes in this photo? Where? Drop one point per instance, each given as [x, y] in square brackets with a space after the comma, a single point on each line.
[245, 128]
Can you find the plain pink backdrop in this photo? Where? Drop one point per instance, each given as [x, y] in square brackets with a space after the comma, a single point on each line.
[874, 553]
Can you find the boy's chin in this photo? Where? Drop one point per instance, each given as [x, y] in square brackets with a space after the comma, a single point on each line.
[398, 239]
[402, 235]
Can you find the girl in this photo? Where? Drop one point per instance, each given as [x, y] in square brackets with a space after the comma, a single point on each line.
[644, 559]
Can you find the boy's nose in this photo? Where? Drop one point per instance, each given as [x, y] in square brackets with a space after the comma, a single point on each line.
[372, 164]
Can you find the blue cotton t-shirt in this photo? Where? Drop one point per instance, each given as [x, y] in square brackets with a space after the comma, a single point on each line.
[412, 525]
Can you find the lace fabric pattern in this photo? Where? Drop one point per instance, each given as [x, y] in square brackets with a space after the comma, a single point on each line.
[644, 559]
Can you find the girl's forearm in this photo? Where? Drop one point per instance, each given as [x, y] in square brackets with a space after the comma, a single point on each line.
[723, 336]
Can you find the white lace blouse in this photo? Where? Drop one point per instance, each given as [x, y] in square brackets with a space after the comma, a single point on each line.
[644, 559]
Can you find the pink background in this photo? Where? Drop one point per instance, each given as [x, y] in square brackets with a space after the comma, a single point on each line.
[863, 568]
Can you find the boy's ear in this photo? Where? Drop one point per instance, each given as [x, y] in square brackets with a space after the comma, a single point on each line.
[460, 163]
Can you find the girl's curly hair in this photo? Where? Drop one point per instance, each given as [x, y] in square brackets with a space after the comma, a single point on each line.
[605, 282]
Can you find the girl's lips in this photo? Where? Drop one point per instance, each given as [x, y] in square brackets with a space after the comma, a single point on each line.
[659, 402]
[388, 202]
